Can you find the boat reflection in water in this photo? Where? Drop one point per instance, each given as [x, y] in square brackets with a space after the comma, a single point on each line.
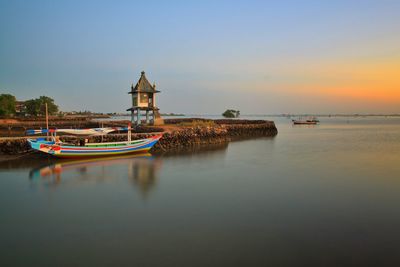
[143, 173]
[141, 170]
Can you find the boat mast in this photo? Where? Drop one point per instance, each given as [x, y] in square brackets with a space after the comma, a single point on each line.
[47, 121]
[102, 136]
[129, 132]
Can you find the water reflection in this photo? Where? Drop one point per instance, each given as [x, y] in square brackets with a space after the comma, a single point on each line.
[198, 150]
[141, 169]
[327, 195]
[144, 175]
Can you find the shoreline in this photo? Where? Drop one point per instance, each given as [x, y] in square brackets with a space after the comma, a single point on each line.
[178, 134]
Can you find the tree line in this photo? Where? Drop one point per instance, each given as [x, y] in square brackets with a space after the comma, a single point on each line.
[32, 107]
[231, 113]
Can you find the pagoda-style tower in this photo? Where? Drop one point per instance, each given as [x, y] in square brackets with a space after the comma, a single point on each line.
[144, 99]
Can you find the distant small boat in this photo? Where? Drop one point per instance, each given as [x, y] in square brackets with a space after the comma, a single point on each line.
[309, 121]
[60, 149]
[313, 119]
[298, 122]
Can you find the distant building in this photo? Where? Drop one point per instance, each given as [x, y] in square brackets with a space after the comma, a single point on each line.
[20, 108]
[144, 101]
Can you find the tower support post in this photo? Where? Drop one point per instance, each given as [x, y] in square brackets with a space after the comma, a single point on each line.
[147, 117]
[133, 116]
[139, 120]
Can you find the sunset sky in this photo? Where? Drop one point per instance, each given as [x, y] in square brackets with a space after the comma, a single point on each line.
[261, 57]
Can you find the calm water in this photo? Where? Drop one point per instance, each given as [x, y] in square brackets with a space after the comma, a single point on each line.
[312, 196]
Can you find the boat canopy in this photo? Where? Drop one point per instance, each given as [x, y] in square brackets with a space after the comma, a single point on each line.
[89, 131]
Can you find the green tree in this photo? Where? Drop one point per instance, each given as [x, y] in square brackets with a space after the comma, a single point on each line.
[37, 106]
[51, 106]
[7, 104]
[32, 107]
[231, 113]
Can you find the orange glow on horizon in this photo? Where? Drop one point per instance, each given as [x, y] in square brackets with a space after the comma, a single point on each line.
[363, 80]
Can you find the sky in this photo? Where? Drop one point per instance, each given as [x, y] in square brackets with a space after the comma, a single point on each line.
[260, 57]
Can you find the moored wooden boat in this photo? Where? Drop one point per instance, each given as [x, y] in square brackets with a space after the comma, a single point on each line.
[53, 146]
[63, 150]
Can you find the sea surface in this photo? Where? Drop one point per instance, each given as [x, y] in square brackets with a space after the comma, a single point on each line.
[325, 195]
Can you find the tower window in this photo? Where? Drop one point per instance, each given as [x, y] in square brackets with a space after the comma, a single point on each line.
[144, 98]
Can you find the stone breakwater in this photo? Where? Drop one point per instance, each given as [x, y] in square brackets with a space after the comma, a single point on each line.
[14, 146]
[175, 136]
[204, 136]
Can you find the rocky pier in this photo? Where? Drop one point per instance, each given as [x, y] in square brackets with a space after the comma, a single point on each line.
[178, 134]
